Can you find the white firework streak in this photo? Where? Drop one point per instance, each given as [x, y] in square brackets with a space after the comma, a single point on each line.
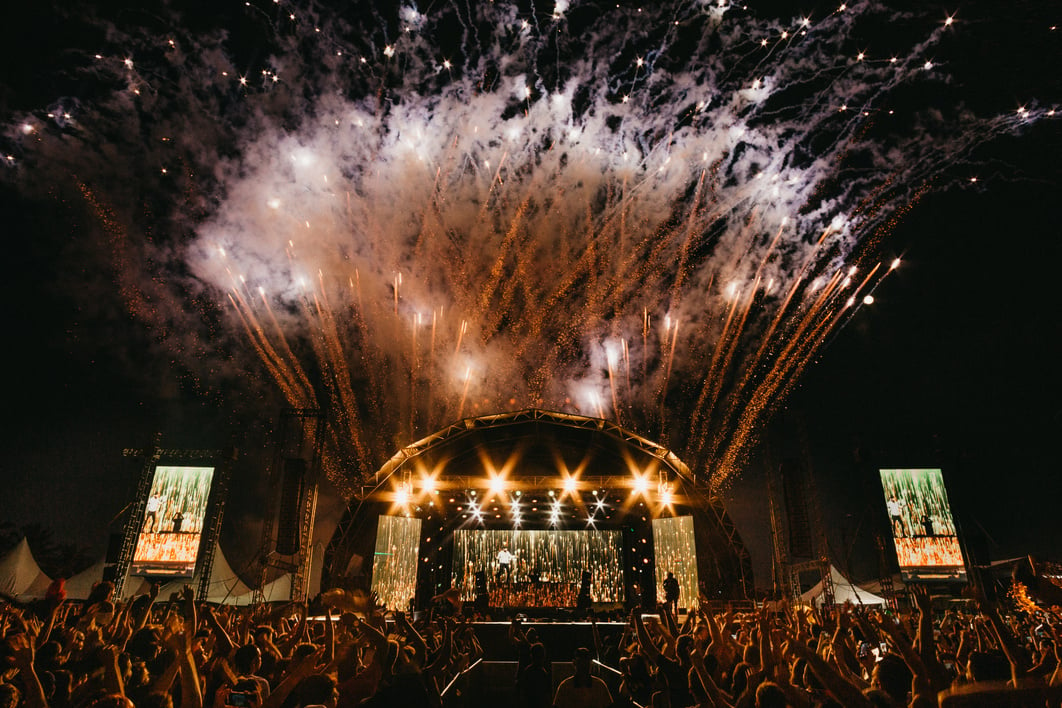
[654, 216]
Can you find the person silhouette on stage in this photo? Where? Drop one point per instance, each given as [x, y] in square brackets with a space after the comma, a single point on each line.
[505, 560]
[154, 504]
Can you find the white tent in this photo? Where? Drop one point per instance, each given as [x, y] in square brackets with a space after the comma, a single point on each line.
[79, 586]
[224, 586]
[874, 586]
[277, 590]
[20, 576]
[224, 583]
[844, 590]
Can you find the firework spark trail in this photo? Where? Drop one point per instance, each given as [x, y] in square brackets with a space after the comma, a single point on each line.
[767, 343]
[545, 186]
[763, 394]
[267, 354]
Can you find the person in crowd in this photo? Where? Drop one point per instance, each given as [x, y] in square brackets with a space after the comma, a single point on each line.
[534, 684]
[178, 653]
[582, 689]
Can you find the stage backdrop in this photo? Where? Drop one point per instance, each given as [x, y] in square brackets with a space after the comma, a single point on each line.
[394, 564]
[545, 568]
[168, 542]
[676, 552]
[927, 544]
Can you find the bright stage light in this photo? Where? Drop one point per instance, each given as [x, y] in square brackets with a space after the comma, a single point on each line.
[427, 484]
[570, 484]
[496, 484]
[401, 496]
[640, 484]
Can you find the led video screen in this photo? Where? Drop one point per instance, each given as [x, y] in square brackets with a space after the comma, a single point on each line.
[394, 563]
[927, 544]
[172, 528]
[536, 568]
[676, 552]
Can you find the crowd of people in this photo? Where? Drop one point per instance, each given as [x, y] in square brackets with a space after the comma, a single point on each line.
[783, 655]
[179, 653]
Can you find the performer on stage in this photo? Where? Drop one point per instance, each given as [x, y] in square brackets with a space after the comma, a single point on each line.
[154, 504]
[671, 592]
[505, 559]
[895, 507]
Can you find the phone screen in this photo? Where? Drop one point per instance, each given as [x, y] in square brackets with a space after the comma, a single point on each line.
[237, 698]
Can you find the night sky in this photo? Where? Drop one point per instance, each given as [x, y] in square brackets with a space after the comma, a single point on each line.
[954, 365]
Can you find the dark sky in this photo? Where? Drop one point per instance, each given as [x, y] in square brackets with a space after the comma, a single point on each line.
[953, 367]
[956, 364]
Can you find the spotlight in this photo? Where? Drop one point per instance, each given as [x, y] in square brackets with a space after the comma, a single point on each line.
[427, 484]
[497, 484]
[641, 484]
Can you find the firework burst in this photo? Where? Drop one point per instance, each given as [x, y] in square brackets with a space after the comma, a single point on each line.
[655, 215]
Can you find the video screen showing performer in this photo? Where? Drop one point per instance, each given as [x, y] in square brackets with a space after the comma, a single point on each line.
[923, 529]
[172, 527]
[536, 568]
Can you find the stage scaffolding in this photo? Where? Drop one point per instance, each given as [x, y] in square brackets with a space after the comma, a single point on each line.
[153, 457]
[287, 530]
[605, 455]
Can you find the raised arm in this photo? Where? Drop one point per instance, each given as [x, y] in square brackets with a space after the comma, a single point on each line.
[1018, 665]
[846, 693]
[667, 619]
[921, 686]
[649, 647]
[413, 638]
[924, 644]
[715, 694]
[223, 644]
[22, 648]
[305, 668]
[298, 634]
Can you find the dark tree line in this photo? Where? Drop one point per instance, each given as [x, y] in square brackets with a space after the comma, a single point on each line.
[56, 558]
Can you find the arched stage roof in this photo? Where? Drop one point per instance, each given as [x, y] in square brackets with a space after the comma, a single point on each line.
[534, 449]
[540, 439]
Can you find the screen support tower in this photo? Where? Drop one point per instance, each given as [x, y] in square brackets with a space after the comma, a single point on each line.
[885, 574]
[152, 457]
[806, 537]
[287, 533]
